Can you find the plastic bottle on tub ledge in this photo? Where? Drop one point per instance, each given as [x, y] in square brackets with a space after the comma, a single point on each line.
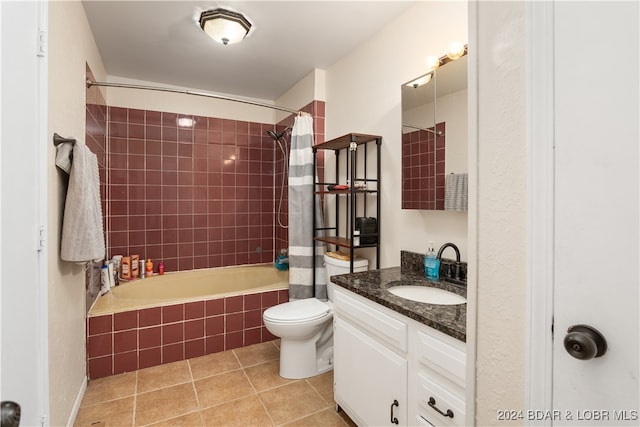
[105, 283]
[149, 268]
[282, 261]
[160, 268]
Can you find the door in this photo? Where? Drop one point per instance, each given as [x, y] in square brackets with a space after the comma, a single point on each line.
[23, 307]
[596, 99]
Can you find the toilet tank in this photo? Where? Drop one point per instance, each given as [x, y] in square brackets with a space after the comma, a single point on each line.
[334, 266]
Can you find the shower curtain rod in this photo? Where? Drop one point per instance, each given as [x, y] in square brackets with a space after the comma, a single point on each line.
[191, 92]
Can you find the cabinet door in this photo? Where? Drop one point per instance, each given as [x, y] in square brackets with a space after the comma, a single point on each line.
[368, 378]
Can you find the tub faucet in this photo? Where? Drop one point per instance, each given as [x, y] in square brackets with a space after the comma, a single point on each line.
[457, 273]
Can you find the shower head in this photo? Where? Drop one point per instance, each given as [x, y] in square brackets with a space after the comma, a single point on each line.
[276, 136]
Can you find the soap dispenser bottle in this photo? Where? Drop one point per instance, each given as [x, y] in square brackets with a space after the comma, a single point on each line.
[431, 264]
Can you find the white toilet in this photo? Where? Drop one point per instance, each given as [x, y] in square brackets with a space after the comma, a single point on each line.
[305, 327]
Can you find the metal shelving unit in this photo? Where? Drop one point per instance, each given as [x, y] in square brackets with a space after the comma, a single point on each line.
[357, 199]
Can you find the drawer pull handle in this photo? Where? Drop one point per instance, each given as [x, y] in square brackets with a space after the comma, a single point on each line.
[394, 420]
[432, 403]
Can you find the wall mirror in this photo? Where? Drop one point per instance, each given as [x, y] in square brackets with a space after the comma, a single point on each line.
[434, 138]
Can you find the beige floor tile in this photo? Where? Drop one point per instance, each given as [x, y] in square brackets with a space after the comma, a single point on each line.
[266, 376]
[324, 386]
[326, 418]
[163, 376]
[165, 403]
[189, 420]
[113, 413]
[213, 364]
[247, 411]
[222, 388]
[291, 401]
[257, 353]
[110, 388]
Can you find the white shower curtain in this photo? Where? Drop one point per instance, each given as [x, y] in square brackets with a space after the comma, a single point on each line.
[301, 193]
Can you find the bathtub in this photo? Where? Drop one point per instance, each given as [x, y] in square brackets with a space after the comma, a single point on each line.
[163, 319]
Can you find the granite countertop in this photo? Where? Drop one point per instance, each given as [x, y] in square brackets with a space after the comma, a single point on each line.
[373, 285]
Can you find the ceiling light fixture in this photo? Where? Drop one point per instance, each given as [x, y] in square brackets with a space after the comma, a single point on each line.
[224, 26]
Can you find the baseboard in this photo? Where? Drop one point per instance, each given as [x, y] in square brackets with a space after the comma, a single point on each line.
[77, 403]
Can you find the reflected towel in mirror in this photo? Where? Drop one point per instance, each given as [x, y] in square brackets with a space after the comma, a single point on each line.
[456, 190]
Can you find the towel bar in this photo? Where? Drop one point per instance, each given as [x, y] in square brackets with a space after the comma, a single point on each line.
[57, 140]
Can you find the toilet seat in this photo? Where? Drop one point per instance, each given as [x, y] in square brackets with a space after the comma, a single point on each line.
[297, 311]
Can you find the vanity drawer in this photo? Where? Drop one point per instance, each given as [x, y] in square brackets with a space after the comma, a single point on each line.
[442, 354]
[444, 399]
[375, 322]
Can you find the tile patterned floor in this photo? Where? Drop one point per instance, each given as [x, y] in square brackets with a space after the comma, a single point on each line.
[239, 387]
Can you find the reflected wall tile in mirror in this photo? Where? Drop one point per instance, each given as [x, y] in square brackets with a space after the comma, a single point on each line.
[423, 169]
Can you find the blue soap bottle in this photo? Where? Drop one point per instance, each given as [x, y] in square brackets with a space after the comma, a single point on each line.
[431, 264]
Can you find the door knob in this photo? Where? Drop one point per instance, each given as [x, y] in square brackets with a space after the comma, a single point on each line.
[584, 342]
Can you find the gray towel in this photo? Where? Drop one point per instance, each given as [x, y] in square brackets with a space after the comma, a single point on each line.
[64, 156]
[82, 229]
[456, 190]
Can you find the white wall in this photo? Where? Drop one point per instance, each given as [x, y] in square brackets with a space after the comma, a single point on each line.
[71, 46]
[363, 95]
[501, 237]
[311, 88]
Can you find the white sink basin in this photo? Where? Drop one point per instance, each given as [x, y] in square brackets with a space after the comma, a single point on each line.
[427, 294]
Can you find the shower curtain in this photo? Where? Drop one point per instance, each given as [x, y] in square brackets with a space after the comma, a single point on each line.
[301, 191]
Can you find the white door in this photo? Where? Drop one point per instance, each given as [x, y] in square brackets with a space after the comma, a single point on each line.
[23, 308]
[596, 121]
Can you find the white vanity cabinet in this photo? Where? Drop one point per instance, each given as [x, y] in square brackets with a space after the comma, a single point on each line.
[370, 365]
[437, 380]
[391, 370]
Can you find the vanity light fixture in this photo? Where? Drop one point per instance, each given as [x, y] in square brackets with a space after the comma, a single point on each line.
[224, 26]
[433, 62]
[456, 50]
[420, 81]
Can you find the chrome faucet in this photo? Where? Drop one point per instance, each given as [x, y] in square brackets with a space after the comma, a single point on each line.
[458, 273]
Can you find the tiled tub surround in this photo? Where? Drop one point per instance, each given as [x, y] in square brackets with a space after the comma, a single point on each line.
[374, 285]
[124, 341]
[96, 140]
[195, 197]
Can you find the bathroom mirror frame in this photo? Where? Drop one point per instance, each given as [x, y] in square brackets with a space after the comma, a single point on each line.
[427, 108]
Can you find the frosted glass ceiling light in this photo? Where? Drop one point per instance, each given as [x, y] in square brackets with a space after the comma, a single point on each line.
[224, 26]
[456, 51]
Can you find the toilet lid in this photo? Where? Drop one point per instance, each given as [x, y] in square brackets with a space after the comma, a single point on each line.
[304, 309]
